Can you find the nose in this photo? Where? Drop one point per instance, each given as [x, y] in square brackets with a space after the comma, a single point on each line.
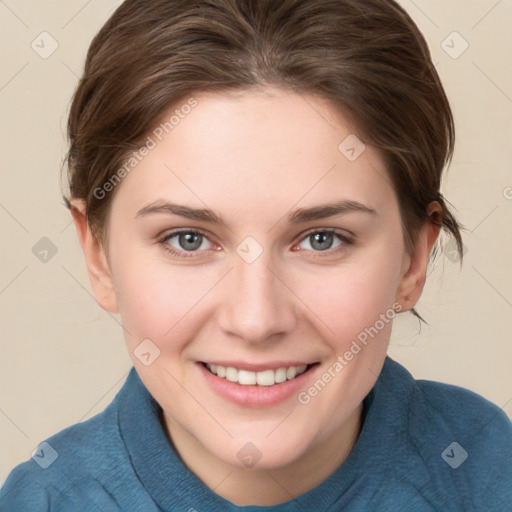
[257, 306]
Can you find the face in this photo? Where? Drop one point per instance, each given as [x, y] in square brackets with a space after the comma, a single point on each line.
[247, 239]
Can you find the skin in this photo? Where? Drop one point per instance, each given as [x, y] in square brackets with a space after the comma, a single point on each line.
[253, 158]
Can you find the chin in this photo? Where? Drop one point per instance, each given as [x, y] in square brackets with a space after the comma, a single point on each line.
[260, 453]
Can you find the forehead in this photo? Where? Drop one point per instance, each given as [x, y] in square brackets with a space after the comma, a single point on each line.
[252, 149]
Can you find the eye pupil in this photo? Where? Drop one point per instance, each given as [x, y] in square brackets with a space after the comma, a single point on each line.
[190, 241]
[322, 241]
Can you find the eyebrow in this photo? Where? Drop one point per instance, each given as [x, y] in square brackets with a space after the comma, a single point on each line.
[297, 217]
[329, 210]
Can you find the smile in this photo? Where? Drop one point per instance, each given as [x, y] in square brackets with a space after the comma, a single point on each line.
[262, 378]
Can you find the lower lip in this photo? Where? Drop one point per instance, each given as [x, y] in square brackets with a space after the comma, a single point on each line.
[256, 396]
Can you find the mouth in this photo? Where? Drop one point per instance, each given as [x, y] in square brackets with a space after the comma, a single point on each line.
[264, 378]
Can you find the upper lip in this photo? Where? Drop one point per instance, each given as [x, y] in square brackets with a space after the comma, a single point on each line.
[274, 365]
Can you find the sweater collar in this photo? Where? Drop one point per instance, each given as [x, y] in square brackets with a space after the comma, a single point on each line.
[174, 487]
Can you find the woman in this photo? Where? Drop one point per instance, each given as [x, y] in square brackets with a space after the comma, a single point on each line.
[256, 189]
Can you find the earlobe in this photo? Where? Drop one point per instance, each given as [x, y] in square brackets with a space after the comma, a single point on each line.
[96, 260]
[414, 277]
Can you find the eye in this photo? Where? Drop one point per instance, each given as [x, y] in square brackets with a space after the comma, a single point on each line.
[185, 241]
[325, 240]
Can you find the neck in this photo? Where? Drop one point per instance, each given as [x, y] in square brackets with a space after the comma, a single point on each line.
[244, 486]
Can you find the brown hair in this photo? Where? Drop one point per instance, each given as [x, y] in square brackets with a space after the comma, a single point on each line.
[366, 56]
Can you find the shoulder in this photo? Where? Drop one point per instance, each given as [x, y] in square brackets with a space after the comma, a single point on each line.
[68, 467]
[465, 442]
[22, 492]
[437, 406]
[459, 410]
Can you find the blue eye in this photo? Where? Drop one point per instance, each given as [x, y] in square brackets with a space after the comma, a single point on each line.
[188, 240]
[324, 240]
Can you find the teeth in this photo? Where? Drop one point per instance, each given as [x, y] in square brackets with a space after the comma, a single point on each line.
[280, 375]
[291, 372]
[247, 378]
[266, 378]
[231, 374]
[263, 378]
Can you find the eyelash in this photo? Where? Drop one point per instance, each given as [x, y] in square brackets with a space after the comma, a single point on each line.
[347, 241]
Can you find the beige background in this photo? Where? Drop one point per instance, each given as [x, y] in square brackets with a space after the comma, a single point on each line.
[63, 358]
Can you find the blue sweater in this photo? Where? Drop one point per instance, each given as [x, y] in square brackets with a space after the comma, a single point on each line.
[424, 446]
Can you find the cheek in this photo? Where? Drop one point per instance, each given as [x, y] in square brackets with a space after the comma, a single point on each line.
[351, 298]
[155, 301]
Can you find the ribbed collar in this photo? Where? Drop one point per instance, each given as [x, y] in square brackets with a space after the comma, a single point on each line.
[174, 487]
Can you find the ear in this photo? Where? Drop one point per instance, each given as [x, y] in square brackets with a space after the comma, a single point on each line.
[415, 266]
[95, 258]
